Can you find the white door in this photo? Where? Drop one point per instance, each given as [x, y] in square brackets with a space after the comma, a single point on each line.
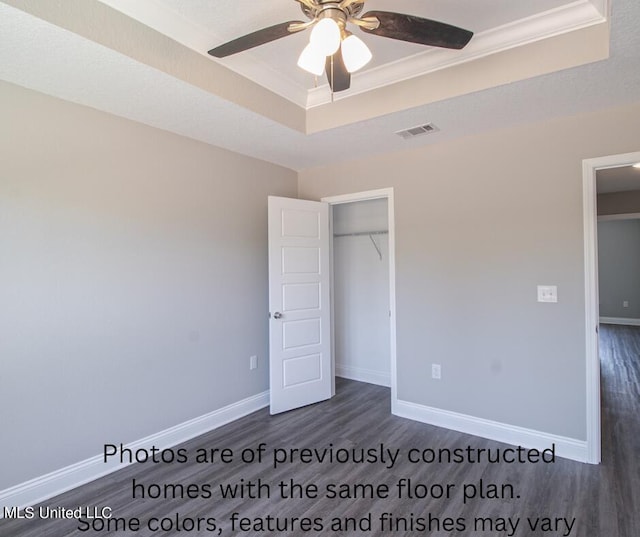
[299, 310]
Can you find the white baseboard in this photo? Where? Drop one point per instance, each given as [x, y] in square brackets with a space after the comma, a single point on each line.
[620, 320]
[568, 448]
[49, 485]
[364, 375]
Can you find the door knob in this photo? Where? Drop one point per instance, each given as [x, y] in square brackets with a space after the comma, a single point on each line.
[277, 315]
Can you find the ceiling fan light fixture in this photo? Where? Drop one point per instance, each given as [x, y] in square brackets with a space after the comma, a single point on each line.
[636, 165]
[312, 60]
[325, 36]
[355, 53]
[332, 44]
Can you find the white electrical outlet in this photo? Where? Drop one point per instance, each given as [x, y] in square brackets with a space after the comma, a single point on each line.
[253, 362]
[547, 293]
[625, 303]
[436, 371]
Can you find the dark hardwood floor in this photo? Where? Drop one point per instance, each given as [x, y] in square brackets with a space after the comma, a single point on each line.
[604, 499]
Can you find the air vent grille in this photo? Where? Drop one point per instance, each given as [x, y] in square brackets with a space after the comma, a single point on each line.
[417, 131]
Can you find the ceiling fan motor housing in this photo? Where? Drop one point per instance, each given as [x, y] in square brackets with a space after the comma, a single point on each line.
[332, 9]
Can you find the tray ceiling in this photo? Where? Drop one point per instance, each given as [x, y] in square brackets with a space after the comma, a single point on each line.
[497, 24]
[151, 66]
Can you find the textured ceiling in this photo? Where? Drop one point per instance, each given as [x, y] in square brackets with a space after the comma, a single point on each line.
[45, 57]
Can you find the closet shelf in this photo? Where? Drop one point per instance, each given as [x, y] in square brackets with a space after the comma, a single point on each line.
[359, 233]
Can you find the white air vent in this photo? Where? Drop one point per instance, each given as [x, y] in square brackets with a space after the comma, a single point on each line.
[417, 131]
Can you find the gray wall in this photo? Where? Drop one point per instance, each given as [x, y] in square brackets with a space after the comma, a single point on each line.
[619, 202]
[479, 223]
[619, 268]
[133, 280]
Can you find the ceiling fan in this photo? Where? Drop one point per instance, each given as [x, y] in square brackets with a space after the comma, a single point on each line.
[334, 49]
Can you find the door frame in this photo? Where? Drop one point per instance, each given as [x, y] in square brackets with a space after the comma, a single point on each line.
[364, 196]
[590, 218]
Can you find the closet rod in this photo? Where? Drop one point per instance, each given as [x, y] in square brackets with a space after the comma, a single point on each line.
[357, 234]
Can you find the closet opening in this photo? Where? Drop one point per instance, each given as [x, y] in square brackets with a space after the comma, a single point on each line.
[363, 287]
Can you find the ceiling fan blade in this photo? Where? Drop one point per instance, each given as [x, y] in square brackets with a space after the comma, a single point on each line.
[337, 74]
[418, 30]
[254, 39]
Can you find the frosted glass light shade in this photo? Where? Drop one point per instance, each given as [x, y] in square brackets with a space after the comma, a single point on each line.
[355, 53]
[325, 36]
[312, 60]
[636, 165]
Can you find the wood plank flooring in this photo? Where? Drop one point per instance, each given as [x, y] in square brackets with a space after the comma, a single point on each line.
[604, 499]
